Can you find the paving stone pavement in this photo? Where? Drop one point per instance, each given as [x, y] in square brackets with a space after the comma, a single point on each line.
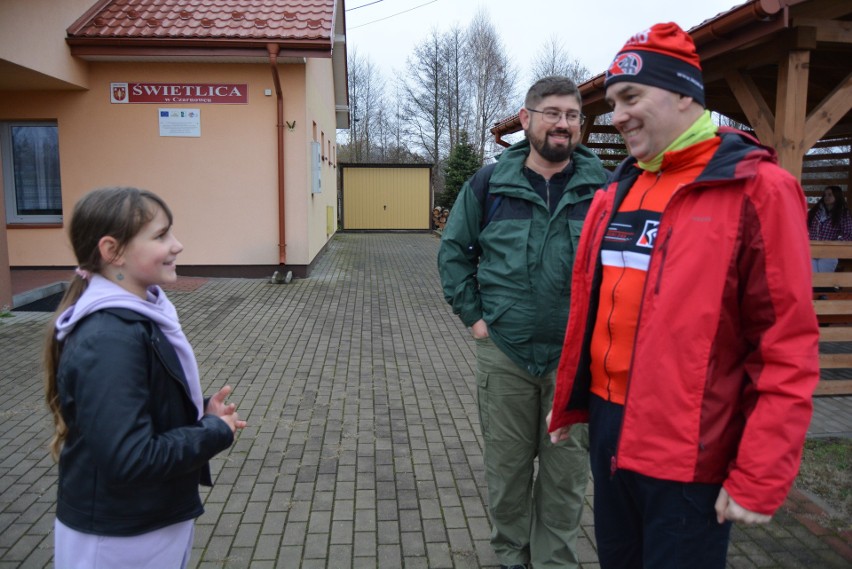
[363, 448]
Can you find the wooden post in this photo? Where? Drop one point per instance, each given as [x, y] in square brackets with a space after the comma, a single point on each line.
[753, 104]
[791, 111]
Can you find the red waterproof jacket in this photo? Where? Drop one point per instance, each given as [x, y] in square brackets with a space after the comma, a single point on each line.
[725, 358]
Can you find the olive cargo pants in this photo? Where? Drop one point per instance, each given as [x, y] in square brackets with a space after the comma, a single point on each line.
[534, 518]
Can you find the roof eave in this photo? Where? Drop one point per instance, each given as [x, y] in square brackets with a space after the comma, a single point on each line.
[118, 48]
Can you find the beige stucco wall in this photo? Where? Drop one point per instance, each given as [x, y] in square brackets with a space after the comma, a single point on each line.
[33, 38]
[319, 108]
[221, 186]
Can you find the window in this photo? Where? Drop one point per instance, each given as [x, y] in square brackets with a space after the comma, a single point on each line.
[30, 153]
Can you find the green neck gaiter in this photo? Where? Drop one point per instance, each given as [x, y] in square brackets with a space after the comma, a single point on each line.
[701, 130]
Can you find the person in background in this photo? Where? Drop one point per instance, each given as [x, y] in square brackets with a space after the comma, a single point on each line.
[133, 434]
[505, 263]
[829, 220]
[692, 344]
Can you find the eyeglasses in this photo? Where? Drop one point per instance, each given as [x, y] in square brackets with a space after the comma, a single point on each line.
[553, 116]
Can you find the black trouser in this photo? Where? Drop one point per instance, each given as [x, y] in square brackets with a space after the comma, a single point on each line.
[644, 522]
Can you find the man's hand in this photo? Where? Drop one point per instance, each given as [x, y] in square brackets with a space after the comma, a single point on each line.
[479, 330]
[559, 434]
[727, 509]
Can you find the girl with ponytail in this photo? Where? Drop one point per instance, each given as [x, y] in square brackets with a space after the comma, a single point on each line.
[133, 434]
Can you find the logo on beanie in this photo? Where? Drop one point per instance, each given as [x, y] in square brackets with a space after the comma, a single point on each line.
[625, 64]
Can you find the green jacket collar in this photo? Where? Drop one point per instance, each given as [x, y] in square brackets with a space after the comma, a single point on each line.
[508, 177]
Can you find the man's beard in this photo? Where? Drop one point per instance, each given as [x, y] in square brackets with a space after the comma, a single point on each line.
[549, 152]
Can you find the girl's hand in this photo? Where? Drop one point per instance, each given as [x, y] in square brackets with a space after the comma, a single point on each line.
[225, 411]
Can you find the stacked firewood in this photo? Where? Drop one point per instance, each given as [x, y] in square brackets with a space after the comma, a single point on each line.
[439, 217]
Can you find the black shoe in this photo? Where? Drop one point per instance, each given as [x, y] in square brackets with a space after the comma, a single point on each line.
[521, 566]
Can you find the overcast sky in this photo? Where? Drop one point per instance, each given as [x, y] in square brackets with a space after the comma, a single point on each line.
[386, 31]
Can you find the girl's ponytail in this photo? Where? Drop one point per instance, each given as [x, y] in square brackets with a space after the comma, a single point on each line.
[52, 353]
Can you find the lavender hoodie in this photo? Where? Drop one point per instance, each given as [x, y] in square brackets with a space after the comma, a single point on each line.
[102, 293]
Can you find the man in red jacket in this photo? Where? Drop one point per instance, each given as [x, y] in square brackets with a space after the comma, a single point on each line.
[691, 347]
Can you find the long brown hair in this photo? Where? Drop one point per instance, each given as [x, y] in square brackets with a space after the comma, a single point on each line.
[116, 212]
[837, 211]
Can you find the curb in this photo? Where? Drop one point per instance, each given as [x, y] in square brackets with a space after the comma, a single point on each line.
[807, 512]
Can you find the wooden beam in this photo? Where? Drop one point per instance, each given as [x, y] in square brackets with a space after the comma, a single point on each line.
[842, 279]
[829, 31]
[831, 249]
[834, 311]
[833, 307]
[747, 59]
[828, 112]
[835, 361]
[754, 34]
[835, 334]
[753, 105]
[791, 109]
[826, 9]
[820, 169]
[829, 387]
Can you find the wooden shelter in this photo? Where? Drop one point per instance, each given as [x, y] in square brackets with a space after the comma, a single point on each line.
[782, 68]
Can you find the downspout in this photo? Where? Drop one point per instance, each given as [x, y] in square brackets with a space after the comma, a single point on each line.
[280, 275]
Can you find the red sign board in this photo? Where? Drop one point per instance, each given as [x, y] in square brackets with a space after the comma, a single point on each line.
[176, 93]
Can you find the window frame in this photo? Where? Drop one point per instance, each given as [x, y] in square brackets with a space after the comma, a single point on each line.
[13, 218]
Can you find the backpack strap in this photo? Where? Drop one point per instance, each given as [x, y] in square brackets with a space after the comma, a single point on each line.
[480, 183]
[494, 203]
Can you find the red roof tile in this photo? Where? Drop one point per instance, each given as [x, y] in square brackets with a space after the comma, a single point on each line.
[278, 20]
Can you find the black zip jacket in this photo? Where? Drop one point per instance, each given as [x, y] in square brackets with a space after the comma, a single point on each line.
[135, 452]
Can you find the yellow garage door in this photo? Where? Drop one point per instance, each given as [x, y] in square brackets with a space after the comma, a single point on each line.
[386, 197]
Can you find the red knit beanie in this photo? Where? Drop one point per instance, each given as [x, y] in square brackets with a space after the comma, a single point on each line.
[663, 56]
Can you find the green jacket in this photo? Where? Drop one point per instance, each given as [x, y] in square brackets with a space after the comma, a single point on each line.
[515, 273]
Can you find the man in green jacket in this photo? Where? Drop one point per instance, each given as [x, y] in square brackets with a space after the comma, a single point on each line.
[505, 261]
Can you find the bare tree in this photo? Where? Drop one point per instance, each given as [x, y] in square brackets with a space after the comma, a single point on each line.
[458, 87]
[492, 78]
[372, 105]
[390, 136]
[366, 97]
[458, 82]
[425, 88]
[554, 59]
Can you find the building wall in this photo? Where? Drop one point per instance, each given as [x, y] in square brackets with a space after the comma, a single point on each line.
[319, 106]
[33, 38]
[221, 186]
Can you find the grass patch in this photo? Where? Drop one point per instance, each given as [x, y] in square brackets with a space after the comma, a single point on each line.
[826, 472]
